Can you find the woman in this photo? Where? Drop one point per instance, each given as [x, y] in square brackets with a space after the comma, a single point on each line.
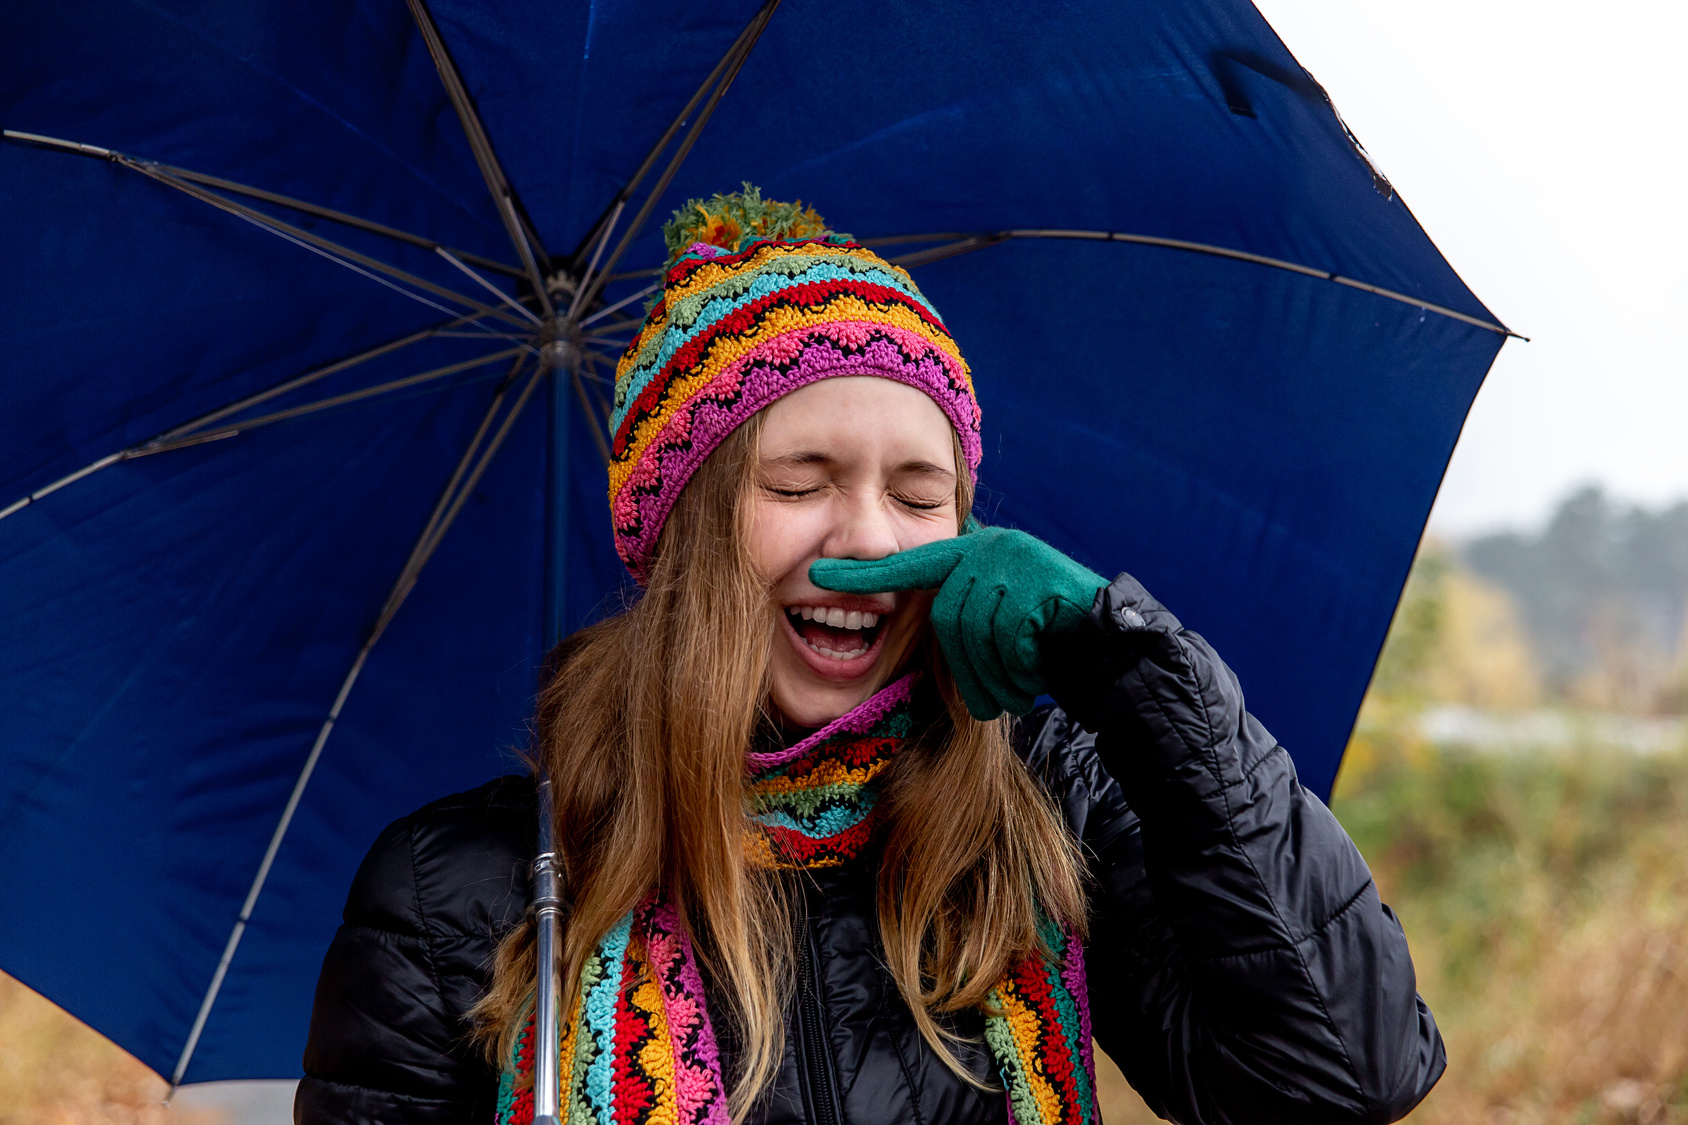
[814, 872]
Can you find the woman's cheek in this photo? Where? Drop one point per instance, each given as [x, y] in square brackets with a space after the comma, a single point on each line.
[922, 529]
[782, 536]
[765, 540]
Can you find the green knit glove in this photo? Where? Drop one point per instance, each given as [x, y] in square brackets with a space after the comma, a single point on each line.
[1001, 594]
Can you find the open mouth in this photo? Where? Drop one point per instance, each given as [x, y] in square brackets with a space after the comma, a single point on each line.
[833, 633]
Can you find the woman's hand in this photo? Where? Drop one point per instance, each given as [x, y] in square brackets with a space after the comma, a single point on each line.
[1001, 595]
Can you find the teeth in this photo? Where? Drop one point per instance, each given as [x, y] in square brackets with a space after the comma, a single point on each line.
[834, 654]
[852, 619]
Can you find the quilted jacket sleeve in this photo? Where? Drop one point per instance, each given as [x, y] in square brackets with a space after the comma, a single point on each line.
[1242, 967]
[388, 1038]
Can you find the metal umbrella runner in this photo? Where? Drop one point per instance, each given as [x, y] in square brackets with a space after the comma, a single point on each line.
[304, 415]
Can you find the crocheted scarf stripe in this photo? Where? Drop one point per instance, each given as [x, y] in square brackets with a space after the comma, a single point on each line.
[637, 1047]
[736, 331]
[1042, 1039]
[818, 812]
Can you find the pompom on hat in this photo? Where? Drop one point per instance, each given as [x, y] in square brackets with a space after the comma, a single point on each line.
[760, 298]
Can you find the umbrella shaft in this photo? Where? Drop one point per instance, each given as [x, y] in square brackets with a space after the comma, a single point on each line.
[547, 912]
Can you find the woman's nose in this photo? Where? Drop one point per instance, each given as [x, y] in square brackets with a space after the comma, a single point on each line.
[863, 531]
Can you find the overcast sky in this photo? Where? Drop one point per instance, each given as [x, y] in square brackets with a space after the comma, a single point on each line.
[1542, 144]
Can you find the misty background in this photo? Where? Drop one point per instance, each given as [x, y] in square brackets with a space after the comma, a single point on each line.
[1518, 777]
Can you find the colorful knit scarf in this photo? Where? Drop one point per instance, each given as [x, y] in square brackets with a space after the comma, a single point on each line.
[637, 1046]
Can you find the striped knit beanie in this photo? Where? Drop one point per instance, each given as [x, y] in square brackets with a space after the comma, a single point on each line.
[760, 298]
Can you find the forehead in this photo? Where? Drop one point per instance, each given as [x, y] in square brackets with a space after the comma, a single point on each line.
[857, 417]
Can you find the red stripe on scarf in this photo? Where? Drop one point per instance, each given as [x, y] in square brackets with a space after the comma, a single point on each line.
[1031, 980]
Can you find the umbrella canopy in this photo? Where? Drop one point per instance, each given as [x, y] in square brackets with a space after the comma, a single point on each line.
[295, 478]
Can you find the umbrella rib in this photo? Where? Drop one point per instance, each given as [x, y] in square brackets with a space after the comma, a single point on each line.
[606, 220]
[621, 304]
[342, 218]
[966, 243]
[458, 488]
[279, 389]
[325, 404]
[522, 234]
[321, 212]
[489, 286]
[175, 176]
[622, 325]
[733, 62]
[217, 415]
[598, 425]
[334, 251]
[592, 266]
[442, 522]
[604, 401]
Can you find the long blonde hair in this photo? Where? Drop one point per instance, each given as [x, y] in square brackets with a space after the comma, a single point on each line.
[643, 731]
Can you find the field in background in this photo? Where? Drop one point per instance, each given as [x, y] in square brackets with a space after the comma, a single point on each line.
[56, 1071]
[1542, 881]
[1538, 860]
[1546, 902]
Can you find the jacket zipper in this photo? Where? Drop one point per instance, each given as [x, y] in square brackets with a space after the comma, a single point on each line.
[814, 1056]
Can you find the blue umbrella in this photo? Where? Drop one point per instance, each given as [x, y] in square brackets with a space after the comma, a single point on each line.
[310, 311]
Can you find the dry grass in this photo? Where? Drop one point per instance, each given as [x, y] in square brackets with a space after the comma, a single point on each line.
[1120, 1104]
[1546, 899]
[55, 1070]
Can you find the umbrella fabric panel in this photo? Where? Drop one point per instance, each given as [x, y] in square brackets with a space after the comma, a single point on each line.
[596, 584]
[404, 740]
[444, 704]
[130, 308]
[574, 95]
[177, 629]
[1187, 121]
[335, 103]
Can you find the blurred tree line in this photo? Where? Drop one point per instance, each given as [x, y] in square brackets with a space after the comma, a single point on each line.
[1544, 891]
[1602, 592]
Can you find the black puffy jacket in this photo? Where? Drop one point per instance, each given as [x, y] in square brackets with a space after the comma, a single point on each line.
[1241, 966]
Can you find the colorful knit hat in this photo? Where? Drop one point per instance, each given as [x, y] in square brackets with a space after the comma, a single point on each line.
[759, 298]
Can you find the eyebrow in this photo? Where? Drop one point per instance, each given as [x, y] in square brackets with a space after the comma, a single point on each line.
[802, 457]
[924, 468]
[815, 457]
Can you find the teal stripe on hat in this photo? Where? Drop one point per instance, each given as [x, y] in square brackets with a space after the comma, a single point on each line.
[702, 311]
